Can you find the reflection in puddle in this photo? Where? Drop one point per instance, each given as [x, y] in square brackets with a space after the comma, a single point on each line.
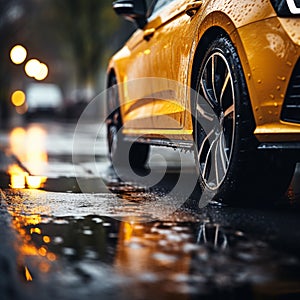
[211, 234]
[29, 146]
[31, 256]
[157, 260]
[17, 176]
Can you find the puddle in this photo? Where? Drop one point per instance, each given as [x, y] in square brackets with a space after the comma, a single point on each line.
[95, 255]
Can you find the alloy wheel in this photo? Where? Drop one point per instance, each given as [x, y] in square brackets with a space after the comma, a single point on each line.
[215, 143]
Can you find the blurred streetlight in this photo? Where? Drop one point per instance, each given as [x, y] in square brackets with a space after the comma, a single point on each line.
[18, 98]
[32, 67]
[18, 54]
[43, 73]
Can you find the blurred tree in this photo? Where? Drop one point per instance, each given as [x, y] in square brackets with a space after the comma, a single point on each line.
[75, 37]
[85, 30]
[12, 14]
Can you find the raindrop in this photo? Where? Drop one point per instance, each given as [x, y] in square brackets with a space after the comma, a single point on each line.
[106, 224]
[68, 251]
[166, 258]
[58, 240]
[87, 232]
[60, 222]
[239, 233]
[189, 247]
[97, 220]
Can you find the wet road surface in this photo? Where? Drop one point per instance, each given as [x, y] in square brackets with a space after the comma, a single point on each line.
[59, 243]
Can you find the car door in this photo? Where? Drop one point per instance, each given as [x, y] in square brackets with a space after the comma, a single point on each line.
[170, 41]
[135, 65]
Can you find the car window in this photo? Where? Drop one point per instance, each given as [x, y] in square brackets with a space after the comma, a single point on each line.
[150, 3]
[158, 4]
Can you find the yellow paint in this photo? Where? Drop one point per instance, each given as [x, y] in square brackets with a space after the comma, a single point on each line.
[157, 132]
[268, 48]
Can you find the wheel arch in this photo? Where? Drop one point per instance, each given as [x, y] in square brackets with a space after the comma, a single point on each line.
[209, 35]
[110, 74]
[206, 39]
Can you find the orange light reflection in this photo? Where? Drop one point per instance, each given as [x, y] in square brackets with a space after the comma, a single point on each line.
[17, 176]
[146, 248]
[27, 248]
[30, 148]
[28, 275]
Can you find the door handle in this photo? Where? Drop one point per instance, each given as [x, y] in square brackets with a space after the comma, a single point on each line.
[148, 33]
[192, 8]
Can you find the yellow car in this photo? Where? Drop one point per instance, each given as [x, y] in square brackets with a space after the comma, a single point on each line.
[241, 57]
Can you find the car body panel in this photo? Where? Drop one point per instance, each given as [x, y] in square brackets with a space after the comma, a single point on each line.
[268, 48]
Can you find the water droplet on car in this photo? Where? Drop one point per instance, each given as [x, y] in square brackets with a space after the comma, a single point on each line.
[282, 78]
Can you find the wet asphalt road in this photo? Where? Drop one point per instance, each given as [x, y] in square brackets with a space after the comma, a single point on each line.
[59, 243]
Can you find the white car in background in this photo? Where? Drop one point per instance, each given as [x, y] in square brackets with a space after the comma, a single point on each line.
[44, 98]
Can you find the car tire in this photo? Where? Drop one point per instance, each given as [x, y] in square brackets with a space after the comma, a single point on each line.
[229, 164]
[117, 146]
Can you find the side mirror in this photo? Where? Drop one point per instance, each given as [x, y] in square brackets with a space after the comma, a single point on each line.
[132, 10]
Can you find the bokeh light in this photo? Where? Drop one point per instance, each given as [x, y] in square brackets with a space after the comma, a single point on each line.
[32, 67]
[18, 98]
[18, 54]
[21, 110]
[43, 73]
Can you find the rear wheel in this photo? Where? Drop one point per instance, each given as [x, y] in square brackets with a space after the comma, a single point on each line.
[117, 146]
[228, 162]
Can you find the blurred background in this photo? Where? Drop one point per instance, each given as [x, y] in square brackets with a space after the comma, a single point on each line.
[53, 56]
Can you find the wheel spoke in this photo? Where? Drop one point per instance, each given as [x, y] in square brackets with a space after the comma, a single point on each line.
[229, 111]
[207, 83]
[227, 78]
[205, 113]
[222, 154]
[213, 75]
[218, 167]
[205, 140]
[210, 155]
